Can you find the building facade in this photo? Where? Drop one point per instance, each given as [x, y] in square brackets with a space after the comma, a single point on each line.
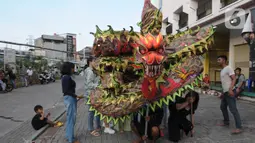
[225, 15]
[51, 42]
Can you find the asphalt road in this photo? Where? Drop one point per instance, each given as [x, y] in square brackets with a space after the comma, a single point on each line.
[17, 106]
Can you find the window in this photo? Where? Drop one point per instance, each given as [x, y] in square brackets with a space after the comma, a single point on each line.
[226, 2]
[169, 29]
[204, 8]
[183, 20]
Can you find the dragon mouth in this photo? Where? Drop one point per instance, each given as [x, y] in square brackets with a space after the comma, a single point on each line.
[153, 71]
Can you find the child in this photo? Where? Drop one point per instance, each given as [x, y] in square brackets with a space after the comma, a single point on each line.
[40, 121]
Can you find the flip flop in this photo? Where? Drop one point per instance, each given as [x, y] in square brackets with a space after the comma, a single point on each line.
[95, 133]
[235, 132]
[59, 124]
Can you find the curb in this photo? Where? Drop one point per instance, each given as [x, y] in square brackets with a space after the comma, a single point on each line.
[42, 130]
[244, 98]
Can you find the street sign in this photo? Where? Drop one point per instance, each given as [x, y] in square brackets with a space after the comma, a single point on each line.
[9, 56]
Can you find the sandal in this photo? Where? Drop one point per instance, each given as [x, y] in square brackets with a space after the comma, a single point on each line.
[236, 131]
[59, 124]
[95, 133]
[98, 130]
[222, 125]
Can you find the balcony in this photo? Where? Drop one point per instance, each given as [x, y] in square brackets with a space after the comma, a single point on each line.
[225, 3]
[204, 8]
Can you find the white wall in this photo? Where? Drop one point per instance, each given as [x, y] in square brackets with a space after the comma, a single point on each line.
[190, 6]
[55, 54]
[235, 39]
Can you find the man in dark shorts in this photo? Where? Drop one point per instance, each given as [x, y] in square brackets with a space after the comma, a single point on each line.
[39, 120]
[153, 131]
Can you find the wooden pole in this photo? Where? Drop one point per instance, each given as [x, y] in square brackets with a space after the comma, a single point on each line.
[191, 114]
[146, 122]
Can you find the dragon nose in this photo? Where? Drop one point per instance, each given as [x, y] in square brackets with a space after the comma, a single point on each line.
[153, 58]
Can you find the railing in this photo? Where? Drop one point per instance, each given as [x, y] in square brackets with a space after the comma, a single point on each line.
[204, 8]
[225, 3]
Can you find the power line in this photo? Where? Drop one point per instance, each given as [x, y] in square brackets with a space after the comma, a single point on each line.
[38, 47]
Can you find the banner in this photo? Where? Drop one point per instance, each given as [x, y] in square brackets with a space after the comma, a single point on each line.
[9, 56]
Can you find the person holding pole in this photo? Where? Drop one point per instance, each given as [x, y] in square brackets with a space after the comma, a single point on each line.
[153, 121]
[177, 120]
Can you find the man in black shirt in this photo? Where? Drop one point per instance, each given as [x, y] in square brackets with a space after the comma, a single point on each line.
[39, 120]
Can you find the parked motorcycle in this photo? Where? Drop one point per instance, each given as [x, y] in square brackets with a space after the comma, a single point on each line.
[50, 77]
[45, 77]
[42, 77]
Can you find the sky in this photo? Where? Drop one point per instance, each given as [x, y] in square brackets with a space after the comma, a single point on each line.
[21, 18]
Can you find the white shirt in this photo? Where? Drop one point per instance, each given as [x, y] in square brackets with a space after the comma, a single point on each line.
[3, 85]
[30, 72]
[226, 80]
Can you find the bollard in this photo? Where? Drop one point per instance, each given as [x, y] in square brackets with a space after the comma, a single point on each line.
[250, 85]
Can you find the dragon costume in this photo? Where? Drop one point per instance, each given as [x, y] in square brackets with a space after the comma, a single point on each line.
[138, 68]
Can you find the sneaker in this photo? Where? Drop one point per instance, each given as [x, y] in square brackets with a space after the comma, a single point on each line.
[109, 131]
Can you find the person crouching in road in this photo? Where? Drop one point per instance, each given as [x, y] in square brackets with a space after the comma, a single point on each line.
[153, 131]
[70, 99]
[179, 110]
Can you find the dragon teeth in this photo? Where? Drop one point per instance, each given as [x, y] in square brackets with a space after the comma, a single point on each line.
[152, 70]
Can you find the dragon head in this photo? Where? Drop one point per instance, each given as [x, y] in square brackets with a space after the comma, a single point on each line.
[152, 53]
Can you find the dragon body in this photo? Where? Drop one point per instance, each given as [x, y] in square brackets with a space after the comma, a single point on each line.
[138, 68]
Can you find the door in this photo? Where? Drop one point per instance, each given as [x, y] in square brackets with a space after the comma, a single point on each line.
[242, 58]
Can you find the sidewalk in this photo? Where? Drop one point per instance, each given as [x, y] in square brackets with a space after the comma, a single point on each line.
[206, 131]
[25, 132]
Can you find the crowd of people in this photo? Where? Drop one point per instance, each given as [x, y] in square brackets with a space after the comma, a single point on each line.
[178, 122]
[9, 75]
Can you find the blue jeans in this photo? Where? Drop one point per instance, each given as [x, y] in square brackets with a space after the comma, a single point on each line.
[71, 110]
[91, 121]
[230, 101]
[24, 80]
[13, 83]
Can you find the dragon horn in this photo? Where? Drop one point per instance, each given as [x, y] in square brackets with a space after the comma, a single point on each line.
[110, 29]
[99, 31]
[158, 12]
[131, 30]
[92, 33]
[123, 30]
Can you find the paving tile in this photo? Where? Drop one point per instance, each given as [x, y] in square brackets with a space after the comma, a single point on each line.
[206, 131]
